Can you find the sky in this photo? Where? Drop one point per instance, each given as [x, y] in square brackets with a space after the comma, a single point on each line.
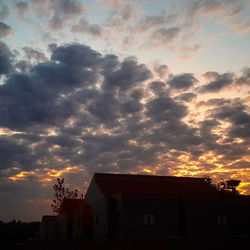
[120, 86]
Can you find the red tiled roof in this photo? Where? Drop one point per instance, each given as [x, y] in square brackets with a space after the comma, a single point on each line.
[152, 184]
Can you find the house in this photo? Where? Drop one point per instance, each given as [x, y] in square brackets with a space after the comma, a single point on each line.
[147, 206]
[74, 220]
[48, 228]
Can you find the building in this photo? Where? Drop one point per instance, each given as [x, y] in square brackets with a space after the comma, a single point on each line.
[75, 220]
[147, 206]
[48, 228]
[73, 223]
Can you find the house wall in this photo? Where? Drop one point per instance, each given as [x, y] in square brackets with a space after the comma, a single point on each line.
[166, 210]
[98, 202]
[62, 221]
[49, 230]
[115, 220]
[238, 210]
[202, 215]
[185, 216]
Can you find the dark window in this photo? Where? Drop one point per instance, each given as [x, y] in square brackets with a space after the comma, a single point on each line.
[149, 219]
[222, 219]
[96, 219]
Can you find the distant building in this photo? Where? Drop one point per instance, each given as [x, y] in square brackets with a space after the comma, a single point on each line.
[75, 220]
[139, 206]
[73, 223]
[48, 228]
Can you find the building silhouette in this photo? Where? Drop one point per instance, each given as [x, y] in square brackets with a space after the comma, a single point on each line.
[126, 207]
[139, 206]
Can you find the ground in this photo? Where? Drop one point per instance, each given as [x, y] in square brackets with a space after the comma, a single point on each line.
[174, 243]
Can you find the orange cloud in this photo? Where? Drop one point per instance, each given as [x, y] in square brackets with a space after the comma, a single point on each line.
[44, 177]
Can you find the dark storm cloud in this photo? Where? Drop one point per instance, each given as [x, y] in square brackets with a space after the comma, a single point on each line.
[158, 87]
[162, 109]
[85, 27]
[27, 100]
[218, 82]
[5, 30]
[167, 127]
[20, 103]
[34, 54]
[5, 59]
[12, 154]
[63, 140]
[129, 75]
[182, 81]
[61, 77]
[22, 66]
[78, 55]
[110, 63]
[105, 107]
[241, 131]
[236, 113]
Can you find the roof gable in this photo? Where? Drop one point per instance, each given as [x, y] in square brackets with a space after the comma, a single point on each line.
[152, 184]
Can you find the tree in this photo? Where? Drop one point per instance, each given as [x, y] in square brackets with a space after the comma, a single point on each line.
[62, 193]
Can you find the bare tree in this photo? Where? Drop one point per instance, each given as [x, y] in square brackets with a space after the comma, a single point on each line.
[62, 193]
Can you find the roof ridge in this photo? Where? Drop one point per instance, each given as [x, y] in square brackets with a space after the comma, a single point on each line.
[147, 176]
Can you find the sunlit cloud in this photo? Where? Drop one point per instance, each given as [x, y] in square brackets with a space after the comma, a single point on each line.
[46, 176]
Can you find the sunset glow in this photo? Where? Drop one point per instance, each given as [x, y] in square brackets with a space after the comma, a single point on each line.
[48, 175]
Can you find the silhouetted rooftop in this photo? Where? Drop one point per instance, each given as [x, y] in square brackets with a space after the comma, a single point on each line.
[153, 184]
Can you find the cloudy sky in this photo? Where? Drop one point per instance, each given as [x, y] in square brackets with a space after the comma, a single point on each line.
[122, 86]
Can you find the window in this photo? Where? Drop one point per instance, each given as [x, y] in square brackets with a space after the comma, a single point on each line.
[96, 219]
[222, 219]
[149, 219]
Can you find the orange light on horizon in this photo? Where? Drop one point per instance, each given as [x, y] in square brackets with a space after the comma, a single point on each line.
[147, 171]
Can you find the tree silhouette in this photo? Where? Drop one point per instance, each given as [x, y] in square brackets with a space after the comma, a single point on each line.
[62, 193]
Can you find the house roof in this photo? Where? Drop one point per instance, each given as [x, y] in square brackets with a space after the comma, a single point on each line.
[152, 184]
